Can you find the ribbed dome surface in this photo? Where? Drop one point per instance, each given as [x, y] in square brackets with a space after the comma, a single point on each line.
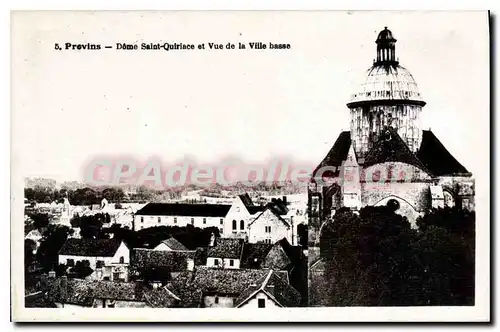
[387, 82]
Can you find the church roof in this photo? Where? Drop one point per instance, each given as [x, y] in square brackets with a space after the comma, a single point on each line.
[338, 152]
[391, 147]
[436, 158]
[432, 156]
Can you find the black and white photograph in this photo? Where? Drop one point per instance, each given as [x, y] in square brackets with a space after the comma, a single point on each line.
[250, 166]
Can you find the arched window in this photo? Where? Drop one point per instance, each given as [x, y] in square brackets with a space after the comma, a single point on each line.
[234, 225]
[242, 225]
[449, 201]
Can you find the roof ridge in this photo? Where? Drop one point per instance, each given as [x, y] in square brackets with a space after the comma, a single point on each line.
[264, 284]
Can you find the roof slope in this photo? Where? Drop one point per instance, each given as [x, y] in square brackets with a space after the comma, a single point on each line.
[188, 210]
[174, 244]
[436, 158]
[226, 248]
[338, 152]
[174, 261]
[83, 292]
[391, 147]
[275, 287]
[254, 254]
[90, 247]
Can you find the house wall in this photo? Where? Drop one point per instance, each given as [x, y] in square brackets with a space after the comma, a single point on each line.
[111, 264]
[253, 303]
[152, 221]
[238, 212]
[257, 229]
[162, 247]
[69, 306]
[223, 301]
[223, 263]
[105, 303]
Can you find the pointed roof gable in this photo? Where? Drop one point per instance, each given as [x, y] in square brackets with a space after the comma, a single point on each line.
[437, 159]
[273, 210]
[173, 244]
[337, 153]
[391, 147]
[277, 289]
[351, 159]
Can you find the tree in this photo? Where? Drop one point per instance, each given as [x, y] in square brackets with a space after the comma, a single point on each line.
[52, 241]
[29, 255]
[81, 269]
[40, 220]
[91, 225]
[376, 259]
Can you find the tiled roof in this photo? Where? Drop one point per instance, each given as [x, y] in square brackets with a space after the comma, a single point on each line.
[175, 261]
[83, 292]
[273, 286]
[436, 158]
[188, 210]
[226, 248]
[174, 244]
[254, 254]
[191, 285]
[90, 247]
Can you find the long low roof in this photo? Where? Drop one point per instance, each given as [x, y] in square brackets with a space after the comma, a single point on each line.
[186, 210]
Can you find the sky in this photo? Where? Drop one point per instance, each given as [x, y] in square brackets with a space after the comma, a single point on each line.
[69, 107]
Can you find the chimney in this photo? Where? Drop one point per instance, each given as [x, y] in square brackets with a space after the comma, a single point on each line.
[284, 200]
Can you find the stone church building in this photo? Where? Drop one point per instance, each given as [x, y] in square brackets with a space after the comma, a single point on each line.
[387, 156]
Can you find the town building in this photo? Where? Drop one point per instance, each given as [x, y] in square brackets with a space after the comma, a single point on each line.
[269, 227]
[226, 253]
[108, 258]
[207, 287]
[180, 214]
[269, 291]
[80, 293]
[387, 156]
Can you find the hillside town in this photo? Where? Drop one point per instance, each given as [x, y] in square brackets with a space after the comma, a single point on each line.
[189, 252]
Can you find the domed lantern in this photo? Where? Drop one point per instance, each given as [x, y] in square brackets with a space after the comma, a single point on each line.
[388, 96]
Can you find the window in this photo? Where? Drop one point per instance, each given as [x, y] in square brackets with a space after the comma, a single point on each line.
[142, 219]
[231, 262]
[122, 260]
[204, 221]
[175, 220]
[262, 303]
[192, 221]
[234, 225]
[221, 230]
[70, 262]
[216, 262]
[221, 221]
[268, 229]
[242, 225]
[159, 219]
[99, 264]
[216, 299]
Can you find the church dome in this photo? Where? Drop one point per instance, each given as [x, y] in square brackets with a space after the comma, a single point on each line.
[387, 82]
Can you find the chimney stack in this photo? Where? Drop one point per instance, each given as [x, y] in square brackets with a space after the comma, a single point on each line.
[284, 200]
